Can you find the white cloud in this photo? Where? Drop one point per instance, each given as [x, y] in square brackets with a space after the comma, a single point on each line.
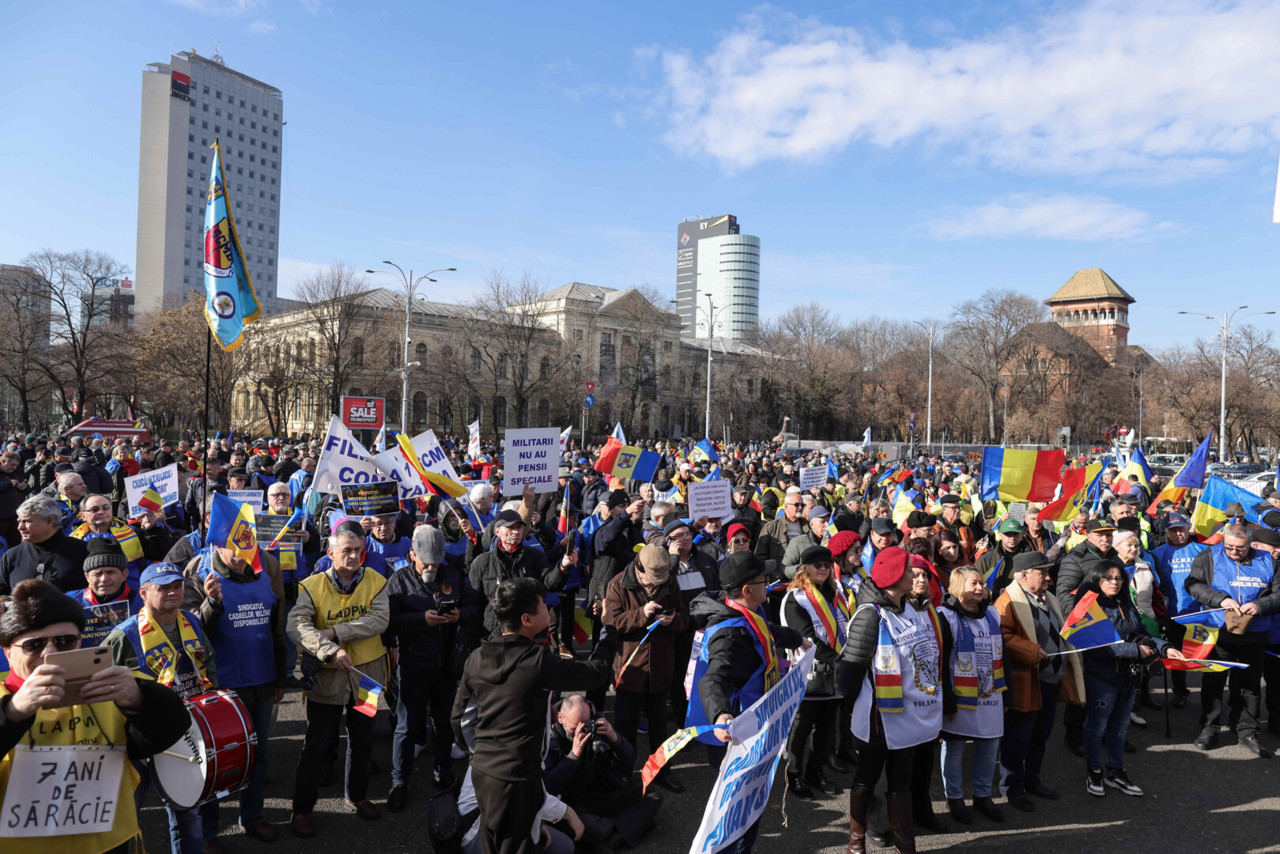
[262, 27]
[221, 7]
[1150, 89]
[1056, 217]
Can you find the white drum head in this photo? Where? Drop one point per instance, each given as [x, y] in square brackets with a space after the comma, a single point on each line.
[179, 779]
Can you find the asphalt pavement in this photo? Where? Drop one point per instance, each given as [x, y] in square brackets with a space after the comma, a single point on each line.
[1225, 800]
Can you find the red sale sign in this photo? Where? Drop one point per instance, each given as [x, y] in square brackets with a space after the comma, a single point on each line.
[363, 413]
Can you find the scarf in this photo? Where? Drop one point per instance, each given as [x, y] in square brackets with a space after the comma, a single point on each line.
[160, 656]
[887, 671]
[125, 536]
[764, 640]
[819, 611]
[971, 665]
[125, 595]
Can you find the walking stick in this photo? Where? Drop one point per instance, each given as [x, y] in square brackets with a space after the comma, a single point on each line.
[1168, 729]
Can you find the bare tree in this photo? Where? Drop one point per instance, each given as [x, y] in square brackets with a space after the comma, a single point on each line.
[336, 315]
[981, 334]
[169, 378]
[24, 339]
[84, 335]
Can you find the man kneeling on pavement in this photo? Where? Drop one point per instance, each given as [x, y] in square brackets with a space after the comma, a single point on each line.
[588, 766]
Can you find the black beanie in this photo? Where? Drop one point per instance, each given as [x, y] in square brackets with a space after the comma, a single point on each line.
[104, 551]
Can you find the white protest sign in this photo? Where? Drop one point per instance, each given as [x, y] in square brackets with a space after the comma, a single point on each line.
[710, 498]
[746, 774]
[811, 476]
[252, 497]
[62, 791]
[532, 459]
[342, 460]
[430, 454]
[163, 481]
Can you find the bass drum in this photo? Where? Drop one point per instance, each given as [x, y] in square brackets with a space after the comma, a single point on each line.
[214, 757]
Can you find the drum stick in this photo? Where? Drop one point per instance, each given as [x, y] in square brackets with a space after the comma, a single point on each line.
[190, 759]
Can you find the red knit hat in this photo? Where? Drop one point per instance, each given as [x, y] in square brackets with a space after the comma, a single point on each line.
[889, 567]
[842, 542]
[735, 528]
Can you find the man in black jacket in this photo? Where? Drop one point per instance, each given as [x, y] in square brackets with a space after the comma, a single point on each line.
[505, 688]
[733, 654]
[614, 544]
[428, 601]
[511, 558]
[45, 552]
[588, 766]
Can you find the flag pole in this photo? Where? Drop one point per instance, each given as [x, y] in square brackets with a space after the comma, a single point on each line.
[204, 473]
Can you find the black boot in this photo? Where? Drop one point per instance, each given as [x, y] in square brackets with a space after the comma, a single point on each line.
[904, 828]
[858, 806]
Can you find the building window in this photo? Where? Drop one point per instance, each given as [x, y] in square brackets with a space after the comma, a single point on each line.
[501, 369]
[357, 354]
[751, 389]
[444, 414]
[666, 346]
[499, 412]
[544, 413]
[420, 410]
[420, 354]
[475, 360]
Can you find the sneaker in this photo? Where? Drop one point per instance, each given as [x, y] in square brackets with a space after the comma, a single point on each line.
[398, 798]
[1250, 742]
[1116, 778]
[1093, 783]
[1137, 719]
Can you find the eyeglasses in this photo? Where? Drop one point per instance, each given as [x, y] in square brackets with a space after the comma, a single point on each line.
[61, 643]
[1112, 579]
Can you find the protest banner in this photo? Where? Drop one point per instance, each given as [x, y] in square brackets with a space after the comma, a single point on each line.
[811, 476]
[342, 460]
[746, 774]
[710, 498]
[433, 458]
[532, 458]
[163, 481]
[62, 791]
[252, 497]
[371, 499]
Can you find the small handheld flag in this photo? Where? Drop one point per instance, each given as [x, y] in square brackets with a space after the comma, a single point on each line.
[295, 519]
[437, 484]
[151, 500]
[1088, 625]
[367, 694]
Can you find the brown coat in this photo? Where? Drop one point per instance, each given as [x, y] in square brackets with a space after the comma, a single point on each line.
[1021, 667]
[651, 671]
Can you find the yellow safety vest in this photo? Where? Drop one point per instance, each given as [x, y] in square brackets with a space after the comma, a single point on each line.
[334, 608]
[100, 723]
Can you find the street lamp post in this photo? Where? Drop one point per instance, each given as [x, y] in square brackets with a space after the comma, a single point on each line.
[1224, 333]
[410, 285]
[932, 329]
[711, 322]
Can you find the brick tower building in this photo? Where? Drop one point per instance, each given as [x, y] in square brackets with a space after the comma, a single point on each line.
[1092, 306]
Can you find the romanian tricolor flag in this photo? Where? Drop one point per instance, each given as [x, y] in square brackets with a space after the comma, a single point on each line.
[667, 750]
[367, 694]
[151, 500]
[627, 461]
[902, 507]
[293, 525]
[1010, 474]
[232, 526]
[437, 484]
[756, 498]
[1088, 625]
[1075, 494]
[1211, 509]
[562, 525]
[1190, 476]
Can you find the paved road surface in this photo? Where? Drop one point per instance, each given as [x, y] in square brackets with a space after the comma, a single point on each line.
[1223, 801]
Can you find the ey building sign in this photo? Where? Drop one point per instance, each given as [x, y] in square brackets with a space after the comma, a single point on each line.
[363, 413]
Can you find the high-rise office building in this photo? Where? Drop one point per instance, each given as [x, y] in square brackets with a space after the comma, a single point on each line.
[714, 258]
[187, 103]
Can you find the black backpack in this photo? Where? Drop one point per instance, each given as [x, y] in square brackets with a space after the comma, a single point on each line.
[445, 825]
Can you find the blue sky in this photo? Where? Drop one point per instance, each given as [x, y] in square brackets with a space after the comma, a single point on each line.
[893, 158]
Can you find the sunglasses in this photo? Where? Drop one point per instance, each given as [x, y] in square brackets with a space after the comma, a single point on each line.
[1114, 579]
[61, 643]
